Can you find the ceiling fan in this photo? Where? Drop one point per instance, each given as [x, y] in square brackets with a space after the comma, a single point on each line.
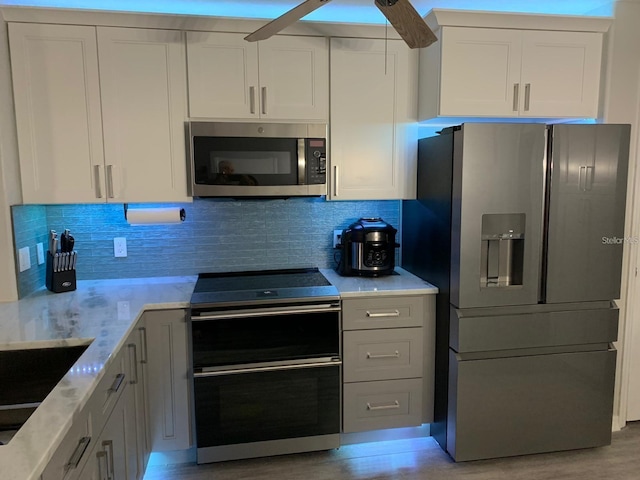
[400, 14]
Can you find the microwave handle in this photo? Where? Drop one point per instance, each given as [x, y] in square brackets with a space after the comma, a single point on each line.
[302, 161]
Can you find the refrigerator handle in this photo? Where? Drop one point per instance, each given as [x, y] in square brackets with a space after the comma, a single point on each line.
[516, 96]
[527, 96]
[585, 183]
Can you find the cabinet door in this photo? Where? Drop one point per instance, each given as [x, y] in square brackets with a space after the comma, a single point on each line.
[480, 72]
[373, 114]
[137, 378]
[168, 384]
[109, 455]
[560, 74]
[294, 78]
[223, 75]
[58, 113]
[142, 76]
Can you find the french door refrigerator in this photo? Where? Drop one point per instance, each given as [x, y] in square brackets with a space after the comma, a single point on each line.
[521, 228]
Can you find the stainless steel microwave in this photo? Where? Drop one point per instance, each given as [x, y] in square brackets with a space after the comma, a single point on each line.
[257, 159]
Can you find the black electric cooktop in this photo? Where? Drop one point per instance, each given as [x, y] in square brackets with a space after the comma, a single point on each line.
[265, 286]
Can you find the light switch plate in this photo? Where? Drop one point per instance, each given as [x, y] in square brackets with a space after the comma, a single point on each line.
[24, 259]
[40, 253]
[124, 313]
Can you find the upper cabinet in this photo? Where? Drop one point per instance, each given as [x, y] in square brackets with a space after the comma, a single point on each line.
[373, 127]
[549, 67]
[99, 112]
[58, 115]
[282, 78]
[143, 91]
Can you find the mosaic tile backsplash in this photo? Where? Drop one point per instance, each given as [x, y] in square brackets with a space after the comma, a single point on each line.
[217, 235]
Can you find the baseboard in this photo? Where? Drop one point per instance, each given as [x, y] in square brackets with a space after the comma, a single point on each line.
[384, 435]
[173, 457]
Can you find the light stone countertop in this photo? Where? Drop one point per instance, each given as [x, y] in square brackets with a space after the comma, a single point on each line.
[102, 313]
[99, 312]
[404, 283]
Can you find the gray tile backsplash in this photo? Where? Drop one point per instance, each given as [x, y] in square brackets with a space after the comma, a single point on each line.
[218, 235]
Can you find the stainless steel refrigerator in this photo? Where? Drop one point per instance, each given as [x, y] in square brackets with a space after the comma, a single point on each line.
[521, 228]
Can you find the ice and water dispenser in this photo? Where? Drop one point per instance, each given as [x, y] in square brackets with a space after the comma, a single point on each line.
[502, 258]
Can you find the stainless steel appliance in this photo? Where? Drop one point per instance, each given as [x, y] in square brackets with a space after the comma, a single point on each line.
[266, 363]
[513, 224]
[257, 159]
[368, 248]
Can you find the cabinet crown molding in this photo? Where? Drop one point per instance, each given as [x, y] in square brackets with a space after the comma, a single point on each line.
[440, 17]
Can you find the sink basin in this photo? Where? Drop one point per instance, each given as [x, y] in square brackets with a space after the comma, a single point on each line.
[27, 376]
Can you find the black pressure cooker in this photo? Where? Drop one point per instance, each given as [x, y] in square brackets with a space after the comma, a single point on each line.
[368, 248]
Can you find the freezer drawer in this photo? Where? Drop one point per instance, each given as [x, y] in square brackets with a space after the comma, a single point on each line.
[520, 405]
[482, 333]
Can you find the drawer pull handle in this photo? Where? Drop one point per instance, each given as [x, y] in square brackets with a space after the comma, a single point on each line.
[396, 354]
[78, 453]
[116, 383]
[388, 406]
[395, 313]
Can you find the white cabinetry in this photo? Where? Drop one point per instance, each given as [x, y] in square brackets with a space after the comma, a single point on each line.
[71, 88]
[167, 381]
[507, 72]
[388, 348]
[143, 91]
[282, 78]
[373, 137]
[57, 100]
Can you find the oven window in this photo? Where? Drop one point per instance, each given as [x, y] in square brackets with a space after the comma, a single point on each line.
[245, 161]
[292, 336]
[254, 407]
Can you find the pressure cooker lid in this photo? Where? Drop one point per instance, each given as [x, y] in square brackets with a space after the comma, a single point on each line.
[360, 230]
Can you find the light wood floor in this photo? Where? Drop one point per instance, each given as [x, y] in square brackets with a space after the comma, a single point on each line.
[423, 459]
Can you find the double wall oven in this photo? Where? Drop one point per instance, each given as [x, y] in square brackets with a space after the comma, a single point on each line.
[266, 363]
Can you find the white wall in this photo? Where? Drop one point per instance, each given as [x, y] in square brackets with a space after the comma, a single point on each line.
[9, 172]
[622, 97]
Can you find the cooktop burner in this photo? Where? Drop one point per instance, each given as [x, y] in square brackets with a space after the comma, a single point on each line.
[266, 286]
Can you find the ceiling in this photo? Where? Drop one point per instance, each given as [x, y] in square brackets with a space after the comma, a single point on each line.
[347, 11]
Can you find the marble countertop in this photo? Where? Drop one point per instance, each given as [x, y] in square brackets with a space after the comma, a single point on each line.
[101, 314]
[404, 283]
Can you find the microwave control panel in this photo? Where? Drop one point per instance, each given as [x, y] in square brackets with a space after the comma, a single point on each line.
[316, 158]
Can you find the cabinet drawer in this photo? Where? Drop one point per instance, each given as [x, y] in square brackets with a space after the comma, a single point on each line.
[383, 312]
[378, 405]
[382, 354]
[108, 391]
[72, 453]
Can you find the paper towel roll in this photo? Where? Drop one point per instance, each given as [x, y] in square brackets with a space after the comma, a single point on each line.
[155, 216]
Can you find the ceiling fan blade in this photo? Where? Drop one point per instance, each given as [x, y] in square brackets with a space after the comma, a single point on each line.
[407, 22]
[283, 21]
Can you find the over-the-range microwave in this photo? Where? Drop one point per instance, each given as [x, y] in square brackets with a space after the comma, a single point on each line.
[229, 159]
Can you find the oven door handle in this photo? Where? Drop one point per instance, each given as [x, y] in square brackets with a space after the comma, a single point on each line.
[219, 373]
[263, 313]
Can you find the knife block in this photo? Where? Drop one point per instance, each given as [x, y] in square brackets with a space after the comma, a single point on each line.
[58, 282]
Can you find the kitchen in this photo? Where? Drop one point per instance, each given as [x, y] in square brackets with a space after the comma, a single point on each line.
[279, 214]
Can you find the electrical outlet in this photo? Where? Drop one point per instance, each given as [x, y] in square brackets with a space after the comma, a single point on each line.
[119, 247]
[124, 312]
[40, 252]
[337, 238]
[24, 257]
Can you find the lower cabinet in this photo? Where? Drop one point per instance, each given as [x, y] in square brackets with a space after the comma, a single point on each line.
[140, 404]
[167, 381]
[388, 348]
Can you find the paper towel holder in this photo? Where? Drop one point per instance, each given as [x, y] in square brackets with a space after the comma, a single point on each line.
[183, 213]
